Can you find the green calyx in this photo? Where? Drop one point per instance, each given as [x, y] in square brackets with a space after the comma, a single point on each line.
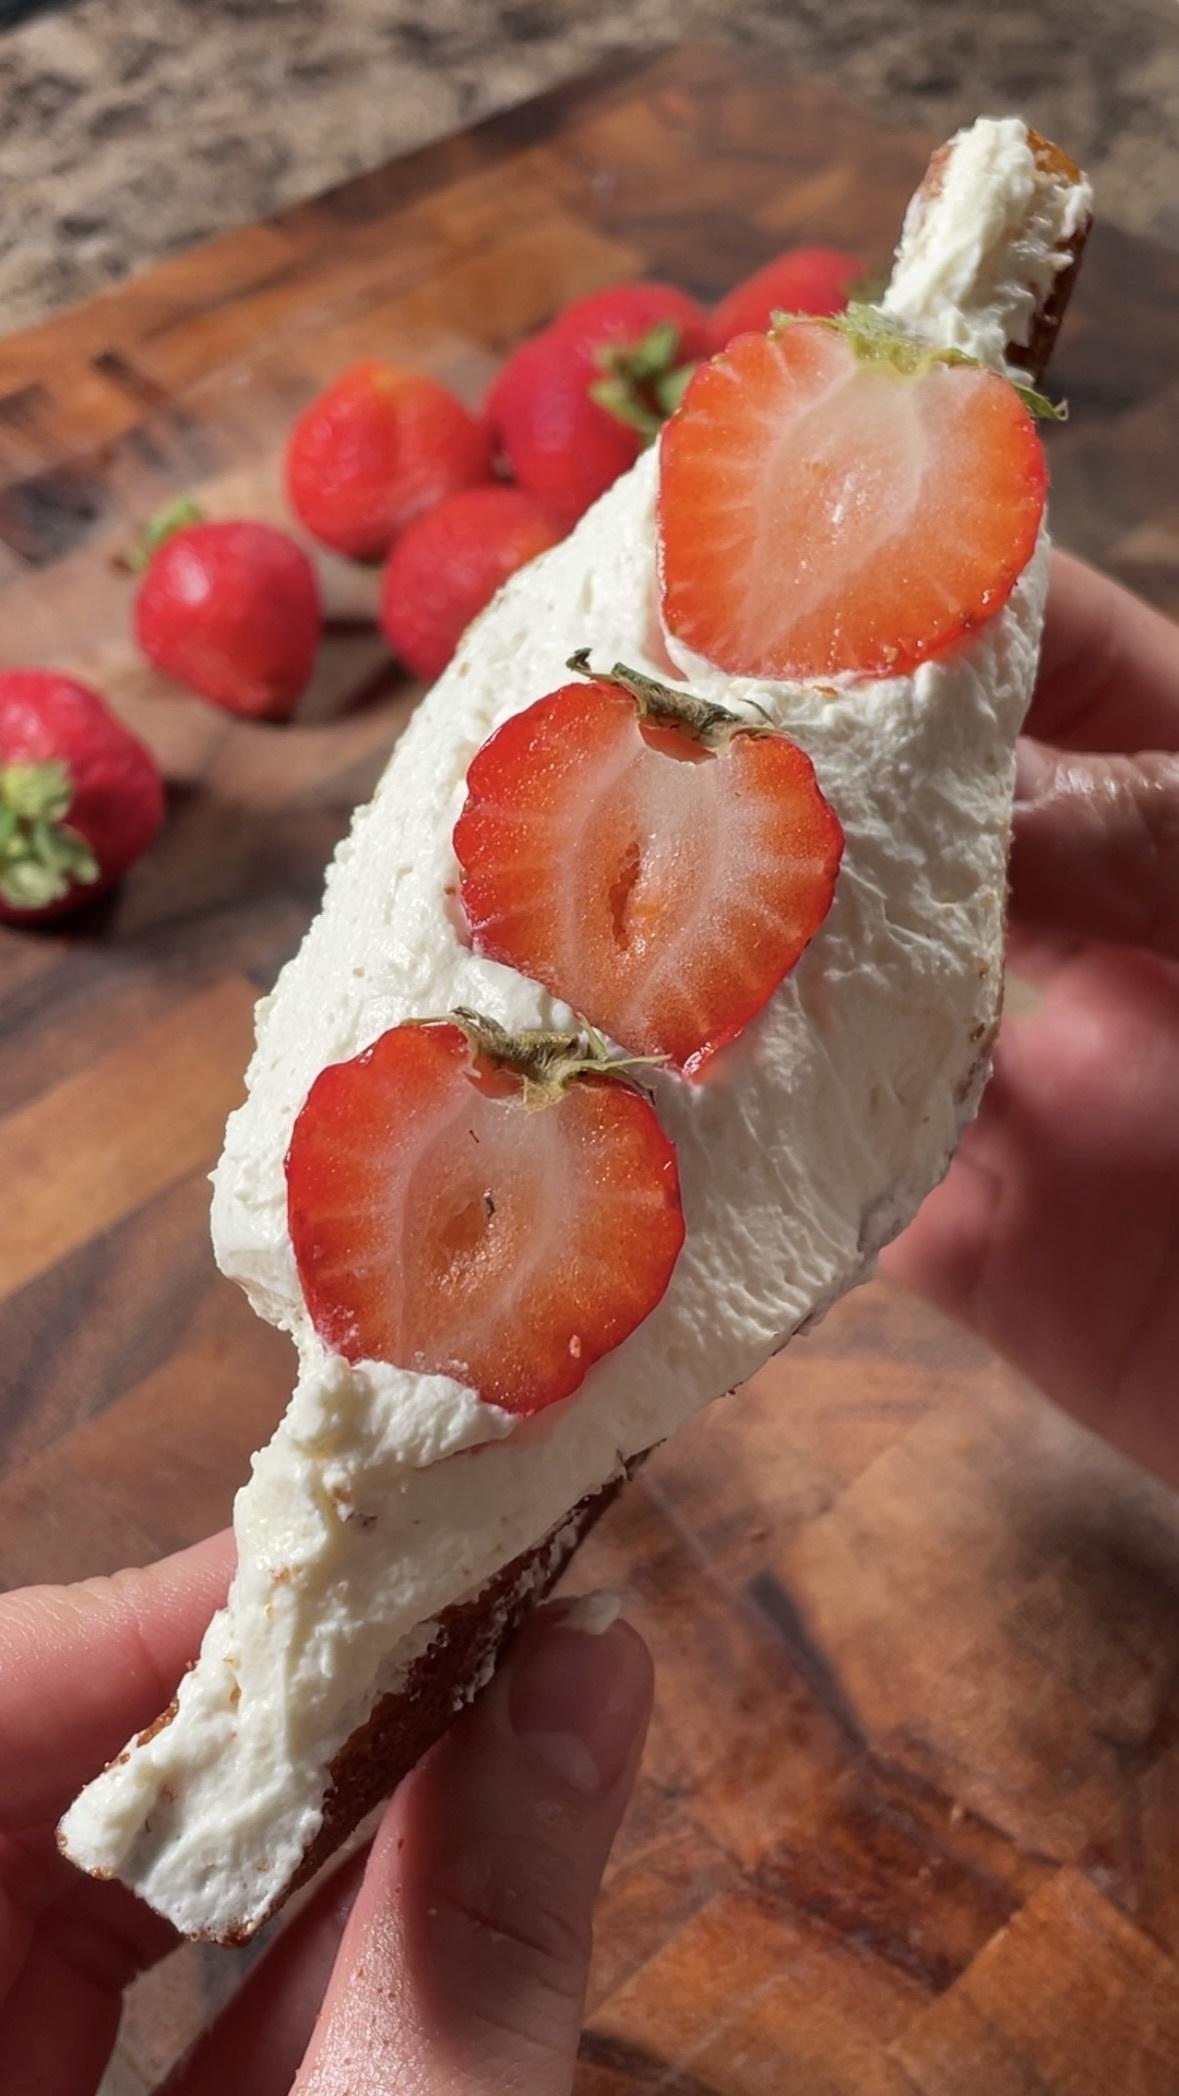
[546, 1063]
[671, 388]
[641, 384]
[707, 723]
[41, 857]
[160, 527]
[878, 340]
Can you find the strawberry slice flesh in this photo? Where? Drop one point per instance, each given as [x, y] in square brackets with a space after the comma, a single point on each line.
[443, 1226]
[662, 888]
[823, 513]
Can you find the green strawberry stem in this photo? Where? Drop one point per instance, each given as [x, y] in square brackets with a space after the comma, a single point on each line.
[546, 1063]
[706, 722]
[671, 388]
[878, 340]
[166, 521]
[41, 857]
[635, 377]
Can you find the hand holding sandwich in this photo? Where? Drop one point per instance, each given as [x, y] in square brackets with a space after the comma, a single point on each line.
[462, 1963]
[1056, 1235]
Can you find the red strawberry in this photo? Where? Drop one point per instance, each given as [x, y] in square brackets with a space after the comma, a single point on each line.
[555, 440]
[80, 798]
[374, 449]
[624, 316]
[835, 500]
[648, 857]
[231, 610]
[443, 1224]
[801, 280]
[573, 407]
[448, 564]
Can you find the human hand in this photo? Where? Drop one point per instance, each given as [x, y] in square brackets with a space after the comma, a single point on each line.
[450, 1960]
[1056, 1234]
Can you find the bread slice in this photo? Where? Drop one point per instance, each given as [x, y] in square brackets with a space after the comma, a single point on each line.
[460, 1658]
[395, 1528]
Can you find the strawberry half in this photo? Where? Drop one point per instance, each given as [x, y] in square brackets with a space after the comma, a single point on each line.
[648, 857]
[444, 1224]
[834, 497]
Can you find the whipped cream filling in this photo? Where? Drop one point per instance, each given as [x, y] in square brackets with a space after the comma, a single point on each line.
[385, 1496]
[978, 259]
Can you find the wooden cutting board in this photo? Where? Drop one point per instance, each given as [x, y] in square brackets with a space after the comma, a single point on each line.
[909, 1819]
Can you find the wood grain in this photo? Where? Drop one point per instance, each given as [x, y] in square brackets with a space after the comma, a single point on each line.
[909, 1818]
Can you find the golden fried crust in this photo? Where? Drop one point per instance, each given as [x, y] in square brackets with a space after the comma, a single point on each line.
[1052, 159]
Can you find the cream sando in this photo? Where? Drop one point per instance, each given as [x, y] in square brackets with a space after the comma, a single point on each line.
[648, 999]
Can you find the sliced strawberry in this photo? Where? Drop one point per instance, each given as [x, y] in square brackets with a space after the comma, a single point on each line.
[650, 859]
[441, 1223]
[831, 503]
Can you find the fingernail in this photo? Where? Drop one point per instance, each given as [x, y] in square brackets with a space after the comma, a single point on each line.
[1034, 770]
[593, 1613]
[579, 1695]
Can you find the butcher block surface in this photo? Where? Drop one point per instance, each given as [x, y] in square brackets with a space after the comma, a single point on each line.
[908, 1823]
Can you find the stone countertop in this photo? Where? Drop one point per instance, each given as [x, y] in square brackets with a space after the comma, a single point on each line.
[126, 135]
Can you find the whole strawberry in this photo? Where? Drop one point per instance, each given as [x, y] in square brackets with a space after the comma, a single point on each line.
[374, 449]
[80, 798]
[231, 610]
[573, 407]
[800, 280]
[609, 326]
[448, 564]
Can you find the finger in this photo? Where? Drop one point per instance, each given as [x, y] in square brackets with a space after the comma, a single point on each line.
[83, 1667]
[43, 1899]
[1095, 846]
[1055, 1236]
[1109, 667]
[1033, 958]
[58, 2027]
[462, 1969]
[80, 1668]
[68, 1947]
[258, 2041]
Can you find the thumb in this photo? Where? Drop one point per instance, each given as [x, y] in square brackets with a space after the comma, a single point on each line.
[462, 1969]
[1095, 846]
